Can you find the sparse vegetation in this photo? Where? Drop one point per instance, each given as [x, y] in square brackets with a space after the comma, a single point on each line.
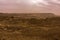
[18, 28]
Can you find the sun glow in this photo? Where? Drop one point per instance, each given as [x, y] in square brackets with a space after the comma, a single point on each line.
[38, 2]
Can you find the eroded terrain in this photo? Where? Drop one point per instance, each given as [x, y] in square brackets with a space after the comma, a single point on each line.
[17, 28]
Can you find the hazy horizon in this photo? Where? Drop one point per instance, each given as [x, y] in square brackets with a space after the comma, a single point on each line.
[30, 6]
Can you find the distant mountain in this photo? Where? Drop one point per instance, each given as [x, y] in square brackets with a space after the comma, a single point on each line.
[29, 15]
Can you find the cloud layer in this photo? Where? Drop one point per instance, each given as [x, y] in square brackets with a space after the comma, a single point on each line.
[30, 6]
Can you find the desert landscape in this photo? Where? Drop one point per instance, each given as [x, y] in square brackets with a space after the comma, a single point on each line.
[29, 26]
[29, 19]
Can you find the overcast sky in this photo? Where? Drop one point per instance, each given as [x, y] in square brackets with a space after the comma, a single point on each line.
[30, 6]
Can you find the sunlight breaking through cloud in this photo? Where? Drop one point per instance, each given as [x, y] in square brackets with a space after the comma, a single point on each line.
[32, 6]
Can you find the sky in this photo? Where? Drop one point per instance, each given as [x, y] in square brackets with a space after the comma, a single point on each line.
[30, 6]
